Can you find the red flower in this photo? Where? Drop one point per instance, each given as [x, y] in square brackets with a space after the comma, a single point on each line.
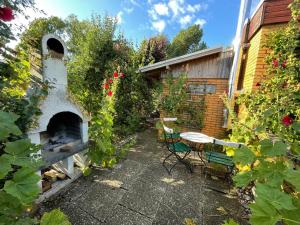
[115, 74]
[257, 84]
[121, 74]
[283, 65]
[275, 62]
[106, 86]
[109, 93]
[287, 120]
[110, 80]
[6, 14]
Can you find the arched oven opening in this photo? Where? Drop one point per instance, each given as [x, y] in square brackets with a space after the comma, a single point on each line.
[63, 132]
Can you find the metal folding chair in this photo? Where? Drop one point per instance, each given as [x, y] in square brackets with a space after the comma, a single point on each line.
[176, 148]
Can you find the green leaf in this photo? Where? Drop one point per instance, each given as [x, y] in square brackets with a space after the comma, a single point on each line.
[275, 197]
[263, 213]
[266, 145]
[244, 156]
[55, 217]
[296, 126]
[9, 205]
[7, 125]
[242, 179]
[279, 149]
[5, 167]
[293, 177]
[268, 149]
[291, 217]
[19, 147]
[230, 222]
[295, 148]
[23, 185]
[27, 221]
[19, 153]
[272, 173]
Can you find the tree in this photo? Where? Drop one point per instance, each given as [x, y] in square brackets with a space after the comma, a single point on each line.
[152, 50]
[31, 38]
[187, 41]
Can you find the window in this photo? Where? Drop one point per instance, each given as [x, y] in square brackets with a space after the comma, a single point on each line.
[200, 89]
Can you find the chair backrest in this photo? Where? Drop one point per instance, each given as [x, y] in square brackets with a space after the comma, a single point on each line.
[227, 143]
[168, 130]
[169, 119]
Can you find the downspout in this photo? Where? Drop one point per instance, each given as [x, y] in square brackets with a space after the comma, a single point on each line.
[244, 13]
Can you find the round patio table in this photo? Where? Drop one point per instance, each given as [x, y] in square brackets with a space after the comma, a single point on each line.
[197, 138]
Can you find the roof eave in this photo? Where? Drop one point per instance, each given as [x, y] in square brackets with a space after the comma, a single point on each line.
[181, 59]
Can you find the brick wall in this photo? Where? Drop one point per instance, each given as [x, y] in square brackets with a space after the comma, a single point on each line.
[255, 65]
[213, 118]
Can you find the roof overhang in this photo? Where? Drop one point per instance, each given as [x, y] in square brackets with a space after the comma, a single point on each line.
[181, 59]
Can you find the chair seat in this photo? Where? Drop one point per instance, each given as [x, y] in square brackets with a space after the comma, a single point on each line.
[173, 135]
[219, 158]
[179, 147]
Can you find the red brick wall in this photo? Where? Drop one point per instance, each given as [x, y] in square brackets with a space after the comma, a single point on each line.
[213, 118]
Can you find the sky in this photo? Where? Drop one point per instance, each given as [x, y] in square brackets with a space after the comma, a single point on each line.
[139, 19]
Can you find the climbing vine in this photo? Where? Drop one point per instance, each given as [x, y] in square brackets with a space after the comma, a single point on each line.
[176, 102]
[269, 161]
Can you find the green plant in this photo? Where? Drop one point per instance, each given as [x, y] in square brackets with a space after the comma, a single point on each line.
[55, 217]
[102, 150]
[176, 103]
[271, 130]
[176, 95]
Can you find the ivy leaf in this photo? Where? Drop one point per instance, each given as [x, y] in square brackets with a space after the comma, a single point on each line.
[242, 179]
[263, 213]
[9, 205]
[293, 177]
[5, 167]
[55, 217]
[275, 197]
[7, 125]
[244, 156]
[23, 185]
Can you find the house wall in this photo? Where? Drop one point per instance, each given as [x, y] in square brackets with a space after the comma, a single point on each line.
[254, 62]
[214, 70]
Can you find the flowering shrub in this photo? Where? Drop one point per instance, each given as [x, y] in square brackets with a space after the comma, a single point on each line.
[6, 14]
[102, 150]
[271, 132]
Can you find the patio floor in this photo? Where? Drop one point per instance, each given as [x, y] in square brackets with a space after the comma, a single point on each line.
[139, 191]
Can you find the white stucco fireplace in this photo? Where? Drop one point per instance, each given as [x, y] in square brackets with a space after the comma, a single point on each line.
[62, 129]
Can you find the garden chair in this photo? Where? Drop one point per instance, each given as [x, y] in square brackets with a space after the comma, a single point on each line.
[221, 158]
[175, 148]
[170, 136]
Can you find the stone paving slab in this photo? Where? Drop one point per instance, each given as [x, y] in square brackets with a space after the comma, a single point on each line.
[139, 191]
[100, 200]
[144, 197]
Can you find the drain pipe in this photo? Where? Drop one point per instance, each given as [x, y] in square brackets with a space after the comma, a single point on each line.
[243, 15]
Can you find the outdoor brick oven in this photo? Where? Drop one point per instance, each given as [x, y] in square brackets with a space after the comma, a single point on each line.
[62, 128]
